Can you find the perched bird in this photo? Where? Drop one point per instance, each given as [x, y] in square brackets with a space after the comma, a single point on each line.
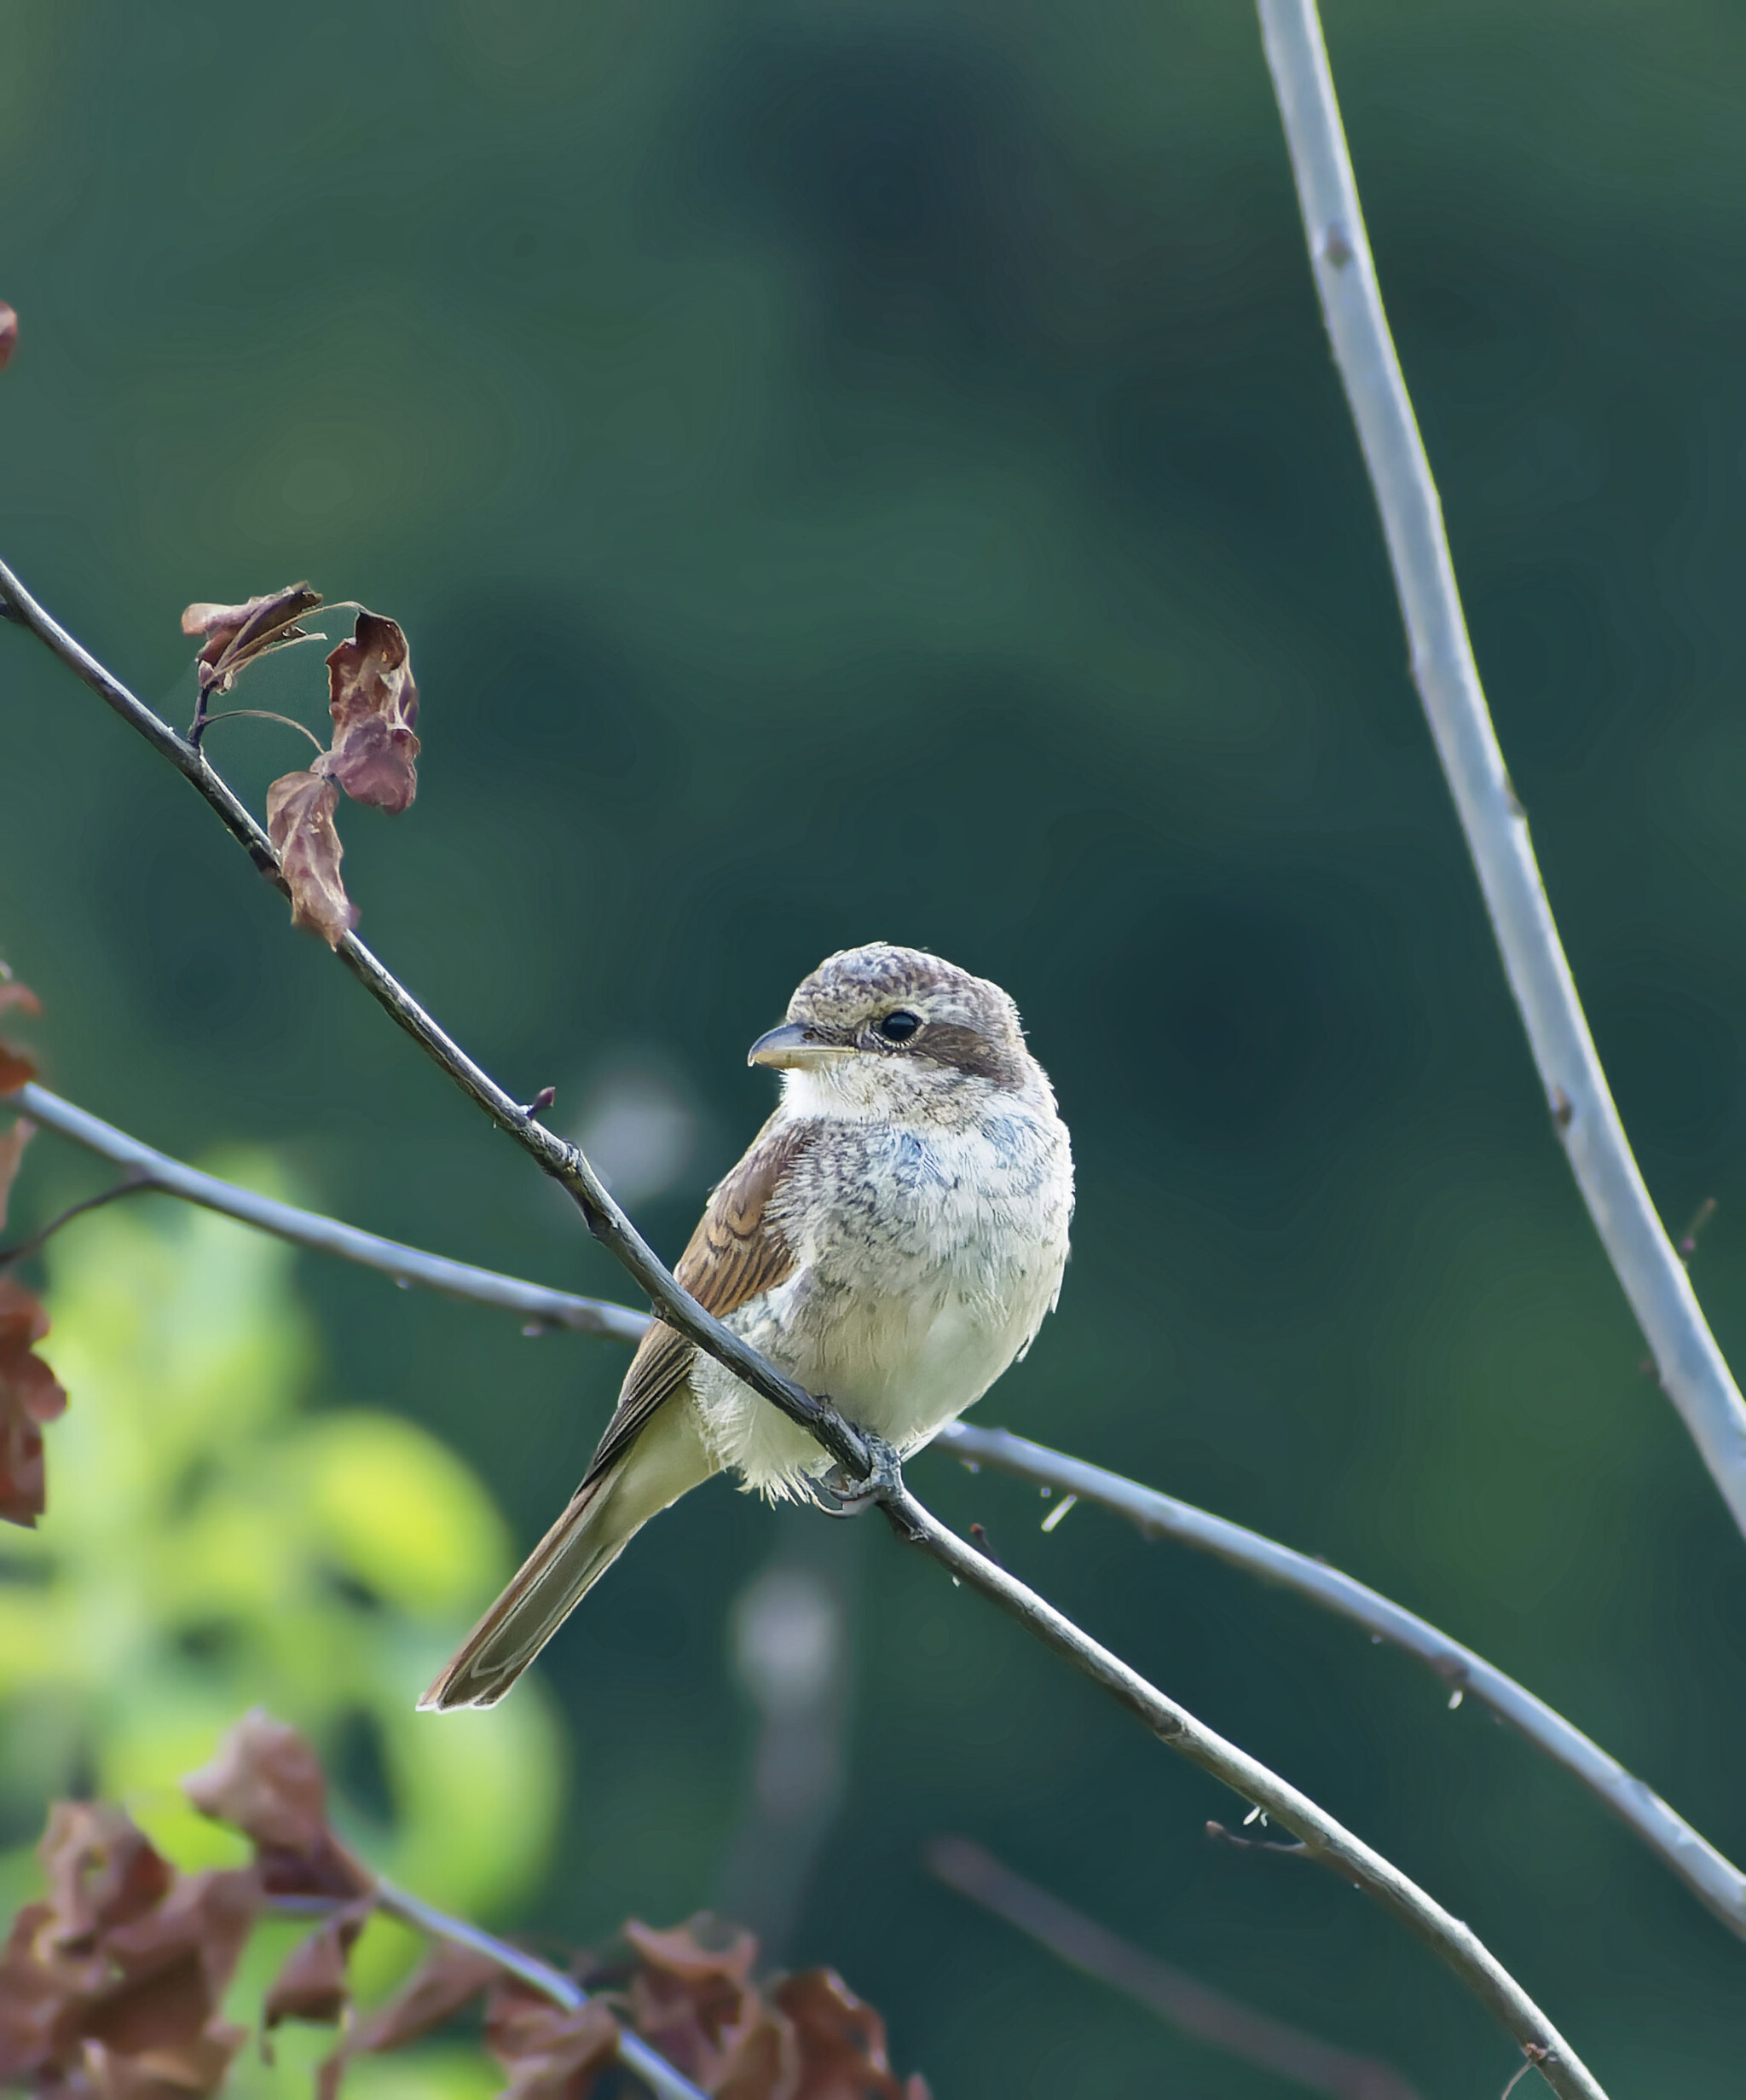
[891, 1241]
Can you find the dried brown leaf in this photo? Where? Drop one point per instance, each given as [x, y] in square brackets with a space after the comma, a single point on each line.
[193, 2068]
[693, 1999]
[841, 2042]
[35, 1983]
[300, 809]
[266, 1781]
[15, 1068]
[30, 1395]
[549, 2053]
[237, 634]
[448, 1978]
[12, 1146]
[311, 1984]
[176, 1962]
[101, 1869]
[374, 704]
[112, 1986]
[9, 334]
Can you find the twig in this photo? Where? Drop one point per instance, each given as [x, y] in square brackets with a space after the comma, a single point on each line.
[1716, 1882]
[135, 1184]
[860, 1456]
[633, 2052]
[1713, 1878]
[566, 1163]
[1327, 1840]
[1221, 1834]
[158, 1172]
[1209, 2015]
[1693, 1372]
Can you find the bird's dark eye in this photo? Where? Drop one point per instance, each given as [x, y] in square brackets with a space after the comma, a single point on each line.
[900, 1027]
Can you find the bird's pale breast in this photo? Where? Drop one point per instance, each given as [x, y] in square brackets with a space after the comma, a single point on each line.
[928, 1257]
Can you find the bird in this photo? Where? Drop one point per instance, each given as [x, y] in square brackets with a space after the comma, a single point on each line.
[893, 1239]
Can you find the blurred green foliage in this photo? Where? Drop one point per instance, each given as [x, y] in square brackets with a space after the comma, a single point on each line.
[215, 1545]
[860, 471]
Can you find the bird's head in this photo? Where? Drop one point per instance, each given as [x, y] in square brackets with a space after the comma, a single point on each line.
[876, 1029]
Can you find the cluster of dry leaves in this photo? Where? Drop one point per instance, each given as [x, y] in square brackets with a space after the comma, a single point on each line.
[373, 754]
[30, 1394]
[112, 1986]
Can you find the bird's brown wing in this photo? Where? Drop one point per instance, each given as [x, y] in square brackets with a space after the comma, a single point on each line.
[738, 1251]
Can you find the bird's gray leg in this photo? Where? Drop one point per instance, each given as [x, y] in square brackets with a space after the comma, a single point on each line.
[884, 1477]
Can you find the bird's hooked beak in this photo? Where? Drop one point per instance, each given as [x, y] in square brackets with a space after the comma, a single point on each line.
[794, 1047]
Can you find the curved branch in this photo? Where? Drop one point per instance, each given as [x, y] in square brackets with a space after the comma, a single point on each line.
[1713, 1879]
[860, 1456]
[1694, 1373]
[1716, 1882]
[157, 1171]
[1326, 1840]
[633, 2052]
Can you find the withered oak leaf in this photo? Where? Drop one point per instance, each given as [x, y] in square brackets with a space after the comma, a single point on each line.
[30, 1395]
[374, 704]
[300, 809]
[237, 636]
[15, 1067]
[266, 1781]
[12, 1145]
[9, 334]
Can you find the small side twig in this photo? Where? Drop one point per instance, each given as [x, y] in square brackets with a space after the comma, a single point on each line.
[1221, 1834]
[1193, 2007]
[1715, 1880]
[1694, 1372]
[135, 1184]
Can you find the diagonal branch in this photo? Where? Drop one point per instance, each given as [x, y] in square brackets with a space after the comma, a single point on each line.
[564, 1991]
[1325, 1840]
[1195, 2008]
[861, 1457]
[1694, 1373]
[1716, 1882]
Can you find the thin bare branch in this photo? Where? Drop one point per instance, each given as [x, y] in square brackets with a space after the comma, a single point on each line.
[1221, 2022]
[1716, 1882]
[634, 2053]
[1328, 1842]
[1693, 1372]
[157, 1171]
[1713, 1879]
[860, 1456]
[135, 1185]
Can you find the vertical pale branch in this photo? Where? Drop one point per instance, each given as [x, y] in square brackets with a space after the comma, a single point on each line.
[1692, 1370]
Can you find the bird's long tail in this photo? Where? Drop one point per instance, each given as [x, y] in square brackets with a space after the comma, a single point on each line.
[668, 1459]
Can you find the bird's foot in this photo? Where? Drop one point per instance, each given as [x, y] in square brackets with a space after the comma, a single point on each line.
[883, 1478]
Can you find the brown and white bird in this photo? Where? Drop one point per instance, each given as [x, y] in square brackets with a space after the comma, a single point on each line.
[893, 1240]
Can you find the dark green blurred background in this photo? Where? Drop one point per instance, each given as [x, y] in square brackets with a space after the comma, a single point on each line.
[875, 471]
